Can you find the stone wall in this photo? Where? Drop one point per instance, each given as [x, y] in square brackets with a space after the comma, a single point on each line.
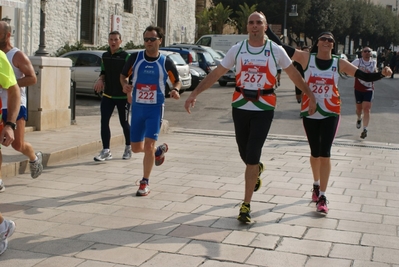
[63, 22]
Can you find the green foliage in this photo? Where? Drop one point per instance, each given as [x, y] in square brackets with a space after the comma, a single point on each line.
[219, 16]
[67, 48]
[243, 15]
[358, 19]
[131, 45]
[203, 22]
[80, 46]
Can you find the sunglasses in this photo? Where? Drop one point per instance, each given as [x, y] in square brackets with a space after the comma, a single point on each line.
[152, 39]
[323, 39]
[367, 51]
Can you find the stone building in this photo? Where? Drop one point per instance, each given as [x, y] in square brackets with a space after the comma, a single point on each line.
[90, 21]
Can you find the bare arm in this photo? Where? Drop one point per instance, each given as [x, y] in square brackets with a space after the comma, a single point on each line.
[126, 87]
[350, 69]
[22, 62]
[302, 57]
[99, 85]
[13, 106]
[297, 79]
[210, 79]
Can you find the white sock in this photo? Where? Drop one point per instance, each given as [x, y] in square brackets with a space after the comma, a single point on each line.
[317, 182]
[34, 160]
[322, 193]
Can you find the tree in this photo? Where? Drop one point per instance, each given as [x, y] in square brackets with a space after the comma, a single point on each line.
[219, 16]
[204, 22]
[243, 15]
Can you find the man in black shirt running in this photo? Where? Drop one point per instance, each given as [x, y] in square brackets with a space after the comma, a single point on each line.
[112, 64]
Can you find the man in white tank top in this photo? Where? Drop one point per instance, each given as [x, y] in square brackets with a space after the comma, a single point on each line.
[25, 75]
[364, 91]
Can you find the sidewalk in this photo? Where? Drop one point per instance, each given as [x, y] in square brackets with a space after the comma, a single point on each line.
[84, 213]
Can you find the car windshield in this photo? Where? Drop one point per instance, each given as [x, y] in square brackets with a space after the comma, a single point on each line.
[208, 58]
[177, 59]
[213, 53]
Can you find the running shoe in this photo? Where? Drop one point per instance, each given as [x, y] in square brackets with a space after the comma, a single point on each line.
[244, 215]
[316, 192]
[10, 226]
[144, 189]
[127, 154]
[2, 187]
[259, 181]
[321, 204]
[36, 167]
[161, 158]
[359, 123]
[105, 154]
[363, 134]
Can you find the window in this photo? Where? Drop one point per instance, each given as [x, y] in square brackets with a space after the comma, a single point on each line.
[88, 60]
[128, 6]
[87, 22]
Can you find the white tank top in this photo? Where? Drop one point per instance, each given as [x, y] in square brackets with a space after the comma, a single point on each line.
[18, 75]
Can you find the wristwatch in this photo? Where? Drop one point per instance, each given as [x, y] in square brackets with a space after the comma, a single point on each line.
[12, 125]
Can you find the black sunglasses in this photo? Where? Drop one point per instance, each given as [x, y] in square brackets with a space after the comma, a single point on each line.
[152, 39]
[323, 39]
[367, 51]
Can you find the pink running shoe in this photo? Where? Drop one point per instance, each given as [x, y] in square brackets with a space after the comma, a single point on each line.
[161, 158]
[322, 204]
[316, 192]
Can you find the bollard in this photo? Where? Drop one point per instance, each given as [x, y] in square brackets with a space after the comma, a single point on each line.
[72, 105]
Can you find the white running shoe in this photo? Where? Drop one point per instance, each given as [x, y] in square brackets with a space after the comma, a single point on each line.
[105, 154]
[10, 226]
[36, 167]
[128, 153]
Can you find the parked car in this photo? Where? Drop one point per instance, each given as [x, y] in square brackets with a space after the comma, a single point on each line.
[191, 58]
[221, 53]
[197, 75]
[182, 68]
[85, 70]
[201, 48]
[221, 41]
[198, 57]
[229, 76]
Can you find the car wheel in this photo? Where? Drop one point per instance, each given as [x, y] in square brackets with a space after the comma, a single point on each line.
[222, 83]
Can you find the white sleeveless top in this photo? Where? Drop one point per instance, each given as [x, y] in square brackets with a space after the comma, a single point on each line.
[18, 75]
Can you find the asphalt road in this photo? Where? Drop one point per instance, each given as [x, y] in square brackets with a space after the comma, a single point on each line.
[213, 111]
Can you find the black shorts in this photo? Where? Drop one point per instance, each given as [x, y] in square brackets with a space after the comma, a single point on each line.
[321, 134]
[364, 96]
[251, 129]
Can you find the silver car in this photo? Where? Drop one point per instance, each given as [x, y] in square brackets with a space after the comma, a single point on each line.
[85, 70]
[182, 68]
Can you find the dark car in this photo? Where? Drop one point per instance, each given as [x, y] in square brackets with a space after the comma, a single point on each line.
[197, 75]
[201, 48]
[191, 57]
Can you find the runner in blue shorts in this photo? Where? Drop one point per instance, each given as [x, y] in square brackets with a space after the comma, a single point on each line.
[144, 79]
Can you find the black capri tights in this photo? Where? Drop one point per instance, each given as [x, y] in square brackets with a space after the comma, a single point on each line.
[251, 129]
[320, 134]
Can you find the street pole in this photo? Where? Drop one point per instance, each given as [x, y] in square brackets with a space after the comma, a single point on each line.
[42, 46]
[285, 22]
